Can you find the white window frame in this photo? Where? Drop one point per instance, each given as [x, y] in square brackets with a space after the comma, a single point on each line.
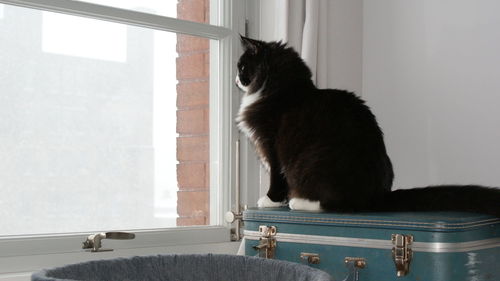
[21, 255]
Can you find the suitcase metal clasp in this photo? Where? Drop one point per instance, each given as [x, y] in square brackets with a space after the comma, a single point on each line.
[402, 253]
[310, 258]
[353, 266]
[267, 241]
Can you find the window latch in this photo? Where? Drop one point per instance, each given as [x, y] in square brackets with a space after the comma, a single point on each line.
[93, 242]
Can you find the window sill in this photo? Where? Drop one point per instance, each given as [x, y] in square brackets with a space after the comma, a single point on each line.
[72, 243]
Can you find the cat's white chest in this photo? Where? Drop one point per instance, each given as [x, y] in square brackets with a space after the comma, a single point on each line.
[247, 101]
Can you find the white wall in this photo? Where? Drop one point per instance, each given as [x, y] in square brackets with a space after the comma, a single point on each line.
[431, 73]
[345, 44]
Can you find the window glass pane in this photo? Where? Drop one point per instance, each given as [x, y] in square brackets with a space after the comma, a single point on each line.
[105, 130]
[192, 10]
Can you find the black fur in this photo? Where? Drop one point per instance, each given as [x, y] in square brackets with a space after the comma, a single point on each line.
[325, 144]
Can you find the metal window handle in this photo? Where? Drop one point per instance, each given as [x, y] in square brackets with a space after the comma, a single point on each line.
[231, 216]
[93, 241]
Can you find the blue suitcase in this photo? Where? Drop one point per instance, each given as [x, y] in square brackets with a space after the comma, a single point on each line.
[437, 246]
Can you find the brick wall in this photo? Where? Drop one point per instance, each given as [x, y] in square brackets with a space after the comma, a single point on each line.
[193, 119]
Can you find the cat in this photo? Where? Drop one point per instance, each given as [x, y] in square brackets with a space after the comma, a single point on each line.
[323, 148]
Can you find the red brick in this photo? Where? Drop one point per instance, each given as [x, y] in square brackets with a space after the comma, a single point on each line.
[193, 66]
[193, 149]
[193, 10]
[187, 43]
[192, 121]
[207, 175]
[192, 203]
[192, 94]
[192, 175]
[207, 10]
[207, 63]
[188, 221]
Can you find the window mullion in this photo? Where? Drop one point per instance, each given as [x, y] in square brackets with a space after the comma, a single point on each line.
[124, 16]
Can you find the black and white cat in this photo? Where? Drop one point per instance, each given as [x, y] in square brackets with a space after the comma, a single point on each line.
[323, 148]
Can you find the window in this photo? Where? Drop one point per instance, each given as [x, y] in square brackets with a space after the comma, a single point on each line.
[114, 119]
[77, 36]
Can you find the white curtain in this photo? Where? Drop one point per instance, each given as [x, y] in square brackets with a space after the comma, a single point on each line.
[303, 24]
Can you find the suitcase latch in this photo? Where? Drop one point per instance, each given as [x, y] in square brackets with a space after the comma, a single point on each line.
[354, 265]
[267, 241]
[310, 258]
[402, 253]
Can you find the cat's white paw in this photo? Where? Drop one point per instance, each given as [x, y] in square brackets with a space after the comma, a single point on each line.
[266, 202]
[304, 204]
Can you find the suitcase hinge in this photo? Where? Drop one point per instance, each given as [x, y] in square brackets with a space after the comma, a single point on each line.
[267, 241]
[402, 253]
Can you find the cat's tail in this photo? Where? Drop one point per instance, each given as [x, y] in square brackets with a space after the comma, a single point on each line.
[467, 198]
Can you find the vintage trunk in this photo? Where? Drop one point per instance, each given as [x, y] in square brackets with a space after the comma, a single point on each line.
[438, 246]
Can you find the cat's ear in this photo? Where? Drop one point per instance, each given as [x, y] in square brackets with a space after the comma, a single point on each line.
[250, 44]
[281, 44]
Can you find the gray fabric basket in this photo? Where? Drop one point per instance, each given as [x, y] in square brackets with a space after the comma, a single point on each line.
[185, 268]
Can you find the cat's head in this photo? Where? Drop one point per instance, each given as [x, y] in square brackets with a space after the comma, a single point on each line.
[264, 63]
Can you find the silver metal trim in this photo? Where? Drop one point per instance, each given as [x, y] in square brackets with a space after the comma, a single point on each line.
[369, 222]
[431, 247]
[237, 180]
[440, 247]
[237, 215]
